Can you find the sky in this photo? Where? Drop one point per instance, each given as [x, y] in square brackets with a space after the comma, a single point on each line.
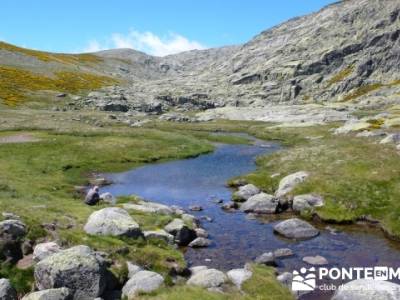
[157, 27]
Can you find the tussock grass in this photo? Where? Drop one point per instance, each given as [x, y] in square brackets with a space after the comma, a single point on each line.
[362, 90]
[16, 84]
[340, 76]
[53, 57]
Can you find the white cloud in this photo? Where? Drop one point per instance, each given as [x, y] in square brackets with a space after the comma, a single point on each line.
[147, 42]
[93, 46]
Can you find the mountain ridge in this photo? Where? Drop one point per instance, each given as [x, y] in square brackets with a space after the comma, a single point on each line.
[346, 52]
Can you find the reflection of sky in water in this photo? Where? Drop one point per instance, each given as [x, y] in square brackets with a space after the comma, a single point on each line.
[236, 238]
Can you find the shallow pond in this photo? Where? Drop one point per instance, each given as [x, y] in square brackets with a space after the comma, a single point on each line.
[238, 238]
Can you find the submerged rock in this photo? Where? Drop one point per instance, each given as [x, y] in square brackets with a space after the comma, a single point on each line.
[260, 203]
[368, 289]
[200, 242]
[296, 229]
[283, 252]
[112, 221]
[77, 268]
[288, 183]
[230, 206]
[315, 260]
[208, 278]
[195, 208]
[245, 192]
[142, 282]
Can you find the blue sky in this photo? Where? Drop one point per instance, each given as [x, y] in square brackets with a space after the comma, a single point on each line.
[154, 26]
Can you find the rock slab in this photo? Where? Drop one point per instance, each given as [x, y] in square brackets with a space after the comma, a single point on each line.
[296, 229]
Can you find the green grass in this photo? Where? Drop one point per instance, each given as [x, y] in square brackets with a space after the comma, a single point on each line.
[356, 176]
[21, 280]
[37, 179]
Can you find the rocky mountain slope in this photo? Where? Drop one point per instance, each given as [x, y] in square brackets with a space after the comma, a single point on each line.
[348, 52]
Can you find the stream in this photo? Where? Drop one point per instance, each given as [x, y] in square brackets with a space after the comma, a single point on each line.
[238, 238]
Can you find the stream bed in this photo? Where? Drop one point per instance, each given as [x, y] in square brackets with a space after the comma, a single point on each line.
[238, 238]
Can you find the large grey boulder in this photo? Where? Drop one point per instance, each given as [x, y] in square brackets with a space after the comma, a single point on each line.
[208, 278]
[12, 233]
[283, 252]
[133, 269]
[196, 269]
[13, 229]
[245, 192]
[149, 207]
[288, 183]
[238, 276]
[112, 221]
[77, 268]
[315, 260]
[260, 203]
[183, 235]
[296, 229]
[43, 250]
[7, 292]
[142, 282]
[50, 294]
[368, 289]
